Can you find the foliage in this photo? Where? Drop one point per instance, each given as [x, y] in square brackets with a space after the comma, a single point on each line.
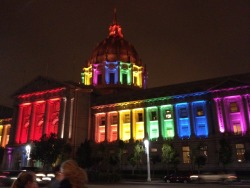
[83, 155]
[135, 159]
[169, 156]
[49, 149]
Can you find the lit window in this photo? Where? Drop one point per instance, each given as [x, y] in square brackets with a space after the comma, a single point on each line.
[153, 150]
[153, 115]
[186, 154]
[126, 118]
[234, 107]
[240, 151]
[135, 80]
[237, 128]
[200, 112]
[168, 114]
[114, 120]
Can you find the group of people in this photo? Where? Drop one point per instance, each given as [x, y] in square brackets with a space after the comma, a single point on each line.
[67, 175]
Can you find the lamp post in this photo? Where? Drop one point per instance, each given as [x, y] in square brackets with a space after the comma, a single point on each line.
[146, 143]
[28, 148]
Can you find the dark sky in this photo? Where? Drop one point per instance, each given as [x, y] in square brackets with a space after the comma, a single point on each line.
[178, 40]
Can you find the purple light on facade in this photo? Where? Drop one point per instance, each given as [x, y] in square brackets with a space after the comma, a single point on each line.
[219, 114]
[233, 119]
[96, 71]
[247, 99]
[9, 155]
[235, 116]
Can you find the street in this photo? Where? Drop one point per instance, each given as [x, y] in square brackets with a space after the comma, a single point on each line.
[171, 185]
[163, 184]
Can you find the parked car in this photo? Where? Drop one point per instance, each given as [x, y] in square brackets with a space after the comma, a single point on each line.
[214, 177]
[7, 177]
[177, 178]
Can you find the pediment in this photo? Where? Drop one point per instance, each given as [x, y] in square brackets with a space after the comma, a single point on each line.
[230, 83]
[39, 84]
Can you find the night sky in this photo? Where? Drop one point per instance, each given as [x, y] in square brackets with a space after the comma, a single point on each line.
[178, 40]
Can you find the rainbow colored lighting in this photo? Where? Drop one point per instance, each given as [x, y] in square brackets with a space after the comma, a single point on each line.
[125, 122]
[112, 128]
[125, 73]
[200, 118]
[111, 72]
[137, 75]
[235, 116]
[100, 119]
[87, 75]
[138, 123]
[32, 123]
[167, 121]
[152, 122]
[183, 120]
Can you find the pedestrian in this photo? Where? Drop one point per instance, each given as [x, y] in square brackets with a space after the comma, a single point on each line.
[55, 182]
[25, 179]
[73, 176]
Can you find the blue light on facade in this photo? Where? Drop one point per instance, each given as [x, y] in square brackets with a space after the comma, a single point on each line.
[183, 120]
[200, 118]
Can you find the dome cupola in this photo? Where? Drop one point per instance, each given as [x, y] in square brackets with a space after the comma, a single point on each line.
[114, 62]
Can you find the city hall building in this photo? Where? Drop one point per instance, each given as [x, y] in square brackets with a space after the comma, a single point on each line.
[113, 103]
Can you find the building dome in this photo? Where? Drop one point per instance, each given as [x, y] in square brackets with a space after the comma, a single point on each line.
[114, 63]
[114, 48]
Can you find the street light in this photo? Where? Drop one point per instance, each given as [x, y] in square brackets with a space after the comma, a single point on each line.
[28, 148]
[146, 143]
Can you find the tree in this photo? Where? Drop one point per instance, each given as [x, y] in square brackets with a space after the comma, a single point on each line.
[225, 152]
[83, 155]
[135, 158]
[138, 151]
[50, 149]
[169, 156]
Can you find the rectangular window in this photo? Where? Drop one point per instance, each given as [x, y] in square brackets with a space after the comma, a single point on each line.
[114, 119]
[237, 128]
[183, 113]
[200, 112]
[240, 151]
[126, 118]
[234, 107]
[135, 80]
[103, 121]
[186, 154]
[140, 119]
[124, 79]
[99, 79]
[168, 114]
[111, 78]
[153, 116]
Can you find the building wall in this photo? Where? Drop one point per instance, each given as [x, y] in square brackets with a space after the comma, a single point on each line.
[187, 120]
